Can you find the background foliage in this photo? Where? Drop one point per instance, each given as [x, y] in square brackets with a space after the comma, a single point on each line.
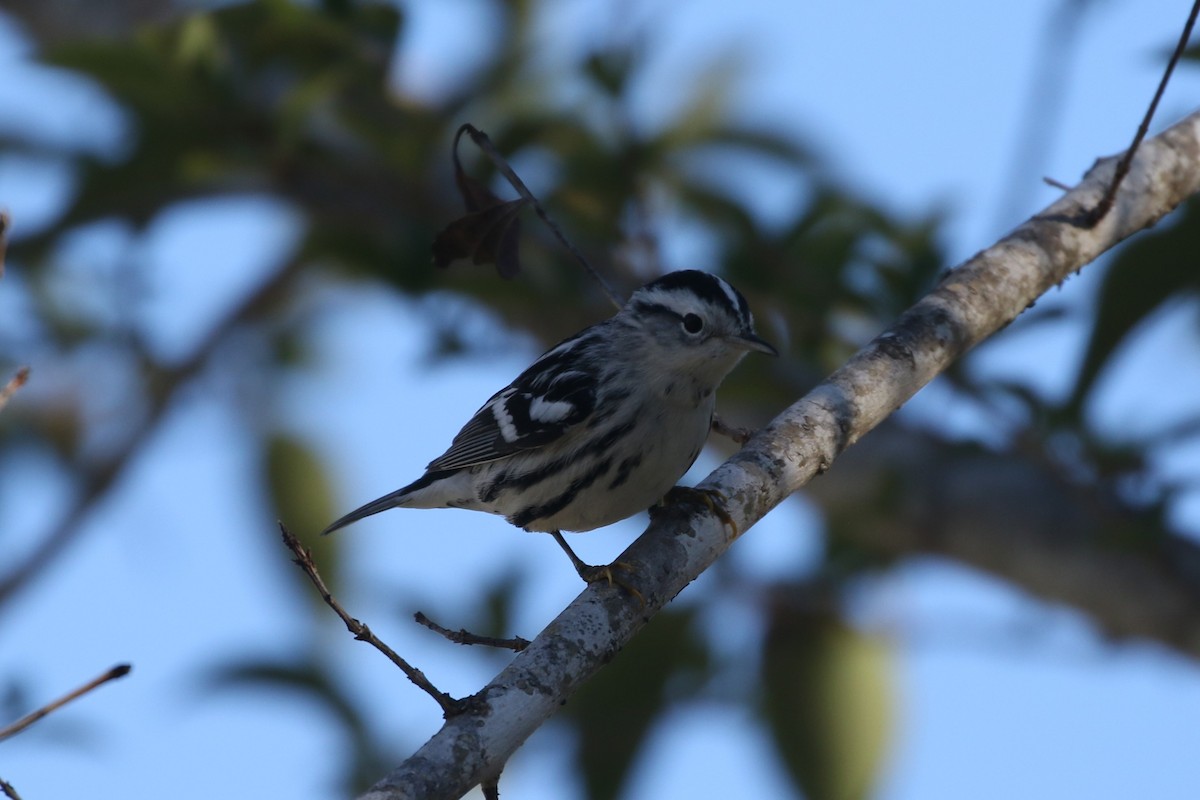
[292, 104]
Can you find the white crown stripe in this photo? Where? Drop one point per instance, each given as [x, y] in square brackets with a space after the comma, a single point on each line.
[731, 293]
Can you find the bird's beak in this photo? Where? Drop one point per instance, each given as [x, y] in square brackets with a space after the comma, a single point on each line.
[752, 341]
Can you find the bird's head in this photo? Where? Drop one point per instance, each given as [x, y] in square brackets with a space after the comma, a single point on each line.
[695, 322]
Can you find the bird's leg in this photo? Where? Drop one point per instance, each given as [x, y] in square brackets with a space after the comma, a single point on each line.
[737, 434]
[591, 574]
[711, 499]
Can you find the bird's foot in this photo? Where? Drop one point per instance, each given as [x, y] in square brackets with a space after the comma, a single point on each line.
[605, 572]
[608, 572]
[734, 432]
[710, 499]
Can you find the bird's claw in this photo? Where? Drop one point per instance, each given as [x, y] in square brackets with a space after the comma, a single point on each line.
[591, 574]
[608, 572]
[711, 499]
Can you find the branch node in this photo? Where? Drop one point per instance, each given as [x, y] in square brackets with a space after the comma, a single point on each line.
[10, 792]
[450, 706]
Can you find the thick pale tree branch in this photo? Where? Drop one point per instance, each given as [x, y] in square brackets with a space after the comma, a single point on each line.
[970, 303]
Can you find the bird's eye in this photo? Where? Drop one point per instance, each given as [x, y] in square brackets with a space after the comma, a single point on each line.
[692, 323]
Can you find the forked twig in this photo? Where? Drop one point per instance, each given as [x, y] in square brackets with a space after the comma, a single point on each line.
[24, 722]
[482, 141]
[1105, 205]
[463, 636]
[449, 705]
[8, 790]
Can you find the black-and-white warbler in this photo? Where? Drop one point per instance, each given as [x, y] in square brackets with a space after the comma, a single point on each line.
[603, 424]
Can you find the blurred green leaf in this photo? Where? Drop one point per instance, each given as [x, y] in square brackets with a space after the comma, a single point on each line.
[1143, 275]
[316, 684]
[303, 499]
[611, 69]
[827, 695]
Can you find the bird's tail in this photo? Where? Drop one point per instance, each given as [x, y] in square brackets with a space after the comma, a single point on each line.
[393, 500]
[390, 500]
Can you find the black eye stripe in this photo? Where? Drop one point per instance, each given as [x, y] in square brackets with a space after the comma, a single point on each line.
[647, 309]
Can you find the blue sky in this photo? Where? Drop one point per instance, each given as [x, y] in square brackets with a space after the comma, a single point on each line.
[918, 105]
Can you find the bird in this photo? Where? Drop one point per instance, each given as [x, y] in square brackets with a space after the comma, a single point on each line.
[602, 425]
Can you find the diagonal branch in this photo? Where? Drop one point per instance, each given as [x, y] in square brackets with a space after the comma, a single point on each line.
[119, 671]
[1025, 520]
[970, 303]
[8, 790]
[97, 482]
[304, 561]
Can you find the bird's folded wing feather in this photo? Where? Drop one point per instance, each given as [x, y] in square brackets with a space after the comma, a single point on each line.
[540, 407]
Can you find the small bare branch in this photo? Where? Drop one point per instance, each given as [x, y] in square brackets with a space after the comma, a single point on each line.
[463, 636]
[1057, 184]
[119, 671]
[482, 141]
[14, 383]
[1105, 205]
[8, 790]
[449, 705]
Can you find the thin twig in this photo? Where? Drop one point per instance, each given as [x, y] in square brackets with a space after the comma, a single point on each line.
[464, 636]
[482, 141]
[8, 790]
[1106, 202]
[119, 671]
[14, 383]
[450, 705]
[1057, 184]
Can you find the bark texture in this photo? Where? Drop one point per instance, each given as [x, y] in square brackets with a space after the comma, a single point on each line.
[969, 304]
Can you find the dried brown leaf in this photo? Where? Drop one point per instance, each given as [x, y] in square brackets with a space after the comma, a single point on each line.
[488, 236]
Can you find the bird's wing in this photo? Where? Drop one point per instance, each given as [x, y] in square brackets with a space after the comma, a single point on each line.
[546, 401]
